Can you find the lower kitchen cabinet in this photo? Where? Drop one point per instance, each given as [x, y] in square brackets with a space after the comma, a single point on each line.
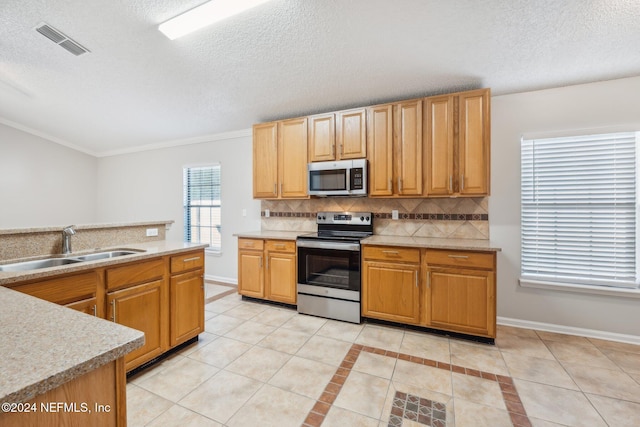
[390, 284]
[88, 306]
[461, 292]
[440, 289]
[186, 290]
[250, 268]
[142, 307]
[267, 269]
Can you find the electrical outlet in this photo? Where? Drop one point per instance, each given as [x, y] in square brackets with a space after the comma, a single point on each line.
[267, 213]
[394, 214]
[152, 232]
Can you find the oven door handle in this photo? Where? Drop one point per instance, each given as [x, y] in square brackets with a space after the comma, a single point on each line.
[340, 246]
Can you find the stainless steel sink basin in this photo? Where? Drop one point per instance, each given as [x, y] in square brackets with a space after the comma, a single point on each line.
[103, 255]
[56, 261]
[40, 263]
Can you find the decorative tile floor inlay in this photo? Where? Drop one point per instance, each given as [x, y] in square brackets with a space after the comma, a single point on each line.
[416, 408]
[510, 395]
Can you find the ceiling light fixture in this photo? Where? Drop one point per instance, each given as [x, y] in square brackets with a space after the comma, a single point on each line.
[205, 14]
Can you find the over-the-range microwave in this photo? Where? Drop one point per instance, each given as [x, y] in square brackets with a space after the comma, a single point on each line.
[339, 178]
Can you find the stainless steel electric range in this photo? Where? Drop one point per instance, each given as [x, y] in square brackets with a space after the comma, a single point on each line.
[329, 265]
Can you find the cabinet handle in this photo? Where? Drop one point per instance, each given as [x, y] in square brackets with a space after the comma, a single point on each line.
[459, 256]
[399, 185]
[415, 273]
[248, 244]
[281, 189]
[390, 188]
[391, 252]
[95, 310]
[428, 280]
[461, 182]
[341, 150]
[195, 258]
[113, 310]
[450, 182]
[275, 189]
[266, 261]
[279, 245]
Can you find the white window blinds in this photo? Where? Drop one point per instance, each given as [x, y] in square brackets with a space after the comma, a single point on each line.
[579, 209]
[202, 208]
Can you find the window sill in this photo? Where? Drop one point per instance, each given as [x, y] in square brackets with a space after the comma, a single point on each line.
[582, 289]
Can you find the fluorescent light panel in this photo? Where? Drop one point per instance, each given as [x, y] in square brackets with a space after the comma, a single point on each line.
[205, 14]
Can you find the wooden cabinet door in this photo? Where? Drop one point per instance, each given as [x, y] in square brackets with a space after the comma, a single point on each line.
[265, 161]
[187, 306]
[474, 142]
[88, 306]
[438, 145]
[408, 148]
[390, 291]
[462, 300]
[142, 307]
[250, 274]
[292, 164]
[281, 277]
[322, 138]
[351, 138]
[380, 150]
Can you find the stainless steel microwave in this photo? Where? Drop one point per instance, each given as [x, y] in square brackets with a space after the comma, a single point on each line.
[339, 178]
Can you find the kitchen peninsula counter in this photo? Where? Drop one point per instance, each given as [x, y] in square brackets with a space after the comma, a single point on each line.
[147, 250]
[45, 345]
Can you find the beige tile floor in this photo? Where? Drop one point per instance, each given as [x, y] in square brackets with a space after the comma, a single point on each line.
[261, 365]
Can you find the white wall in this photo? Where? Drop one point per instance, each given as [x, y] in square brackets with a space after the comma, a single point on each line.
[598, 106]
[43, 183]
[148, 186]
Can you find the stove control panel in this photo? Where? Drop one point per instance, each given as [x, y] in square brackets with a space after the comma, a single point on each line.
[344, 218]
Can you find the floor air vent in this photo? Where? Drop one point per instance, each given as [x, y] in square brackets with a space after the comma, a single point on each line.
[61, 40]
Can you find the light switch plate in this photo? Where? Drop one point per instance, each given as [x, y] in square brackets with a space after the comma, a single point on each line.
[267, 213]
[394, 214]
[152, 232]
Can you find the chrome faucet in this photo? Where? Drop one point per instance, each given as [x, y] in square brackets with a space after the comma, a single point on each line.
[67, 232]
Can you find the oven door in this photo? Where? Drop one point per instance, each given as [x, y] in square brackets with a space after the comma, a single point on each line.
[329, 269]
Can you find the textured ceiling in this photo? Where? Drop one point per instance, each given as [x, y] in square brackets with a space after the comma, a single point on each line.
[288, 58]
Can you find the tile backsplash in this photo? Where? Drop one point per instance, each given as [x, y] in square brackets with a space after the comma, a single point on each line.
[463, 218]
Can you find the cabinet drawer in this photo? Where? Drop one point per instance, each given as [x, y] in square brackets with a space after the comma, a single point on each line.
[188, 261]
[391, 253]
[256, 244]
[281, 246]
[461, 259]
[63, 290]
[135, 273]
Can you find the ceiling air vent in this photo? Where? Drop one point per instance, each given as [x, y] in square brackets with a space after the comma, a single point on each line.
[60, 39]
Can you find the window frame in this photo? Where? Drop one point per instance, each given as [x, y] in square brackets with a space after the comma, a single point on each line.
[217, 250]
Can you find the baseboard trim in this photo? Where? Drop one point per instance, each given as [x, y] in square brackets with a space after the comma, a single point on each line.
[569, 330]
[223, 280]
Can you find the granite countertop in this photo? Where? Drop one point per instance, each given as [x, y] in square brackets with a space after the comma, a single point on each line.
[432, 243]
[150, 250]
[45, 345]
[269, 234]
[407, 241]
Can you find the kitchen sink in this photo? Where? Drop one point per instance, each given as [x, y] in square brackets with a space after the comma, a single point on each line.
[103, 255]
[40, 263]
[56, 262]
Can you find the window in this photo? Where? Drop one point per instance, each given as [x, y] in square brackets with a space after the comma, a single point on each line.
[202, 205]
[579, 210]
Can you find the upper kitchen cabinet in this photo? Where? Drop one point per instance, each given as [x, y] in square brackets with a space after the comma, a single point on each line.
[457, 144]
[280, 160]
[338, 136]
[394, 141]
